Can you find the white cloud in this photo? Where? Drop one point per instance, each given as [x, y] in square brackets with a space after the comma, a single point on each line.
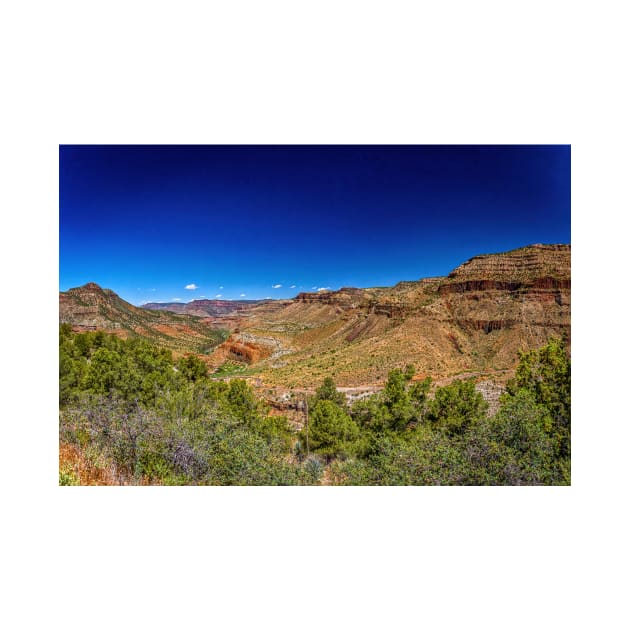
[292, 286]
[324, 289]
[191, 287]
[218, 295]
[176, 299]
[313, 287]
[202, 296]
[242, 295]
[276, 286]
[268, 297]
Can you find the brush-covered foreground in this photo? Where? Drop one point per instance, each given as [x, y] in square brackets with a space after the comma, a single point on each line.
[130, 414]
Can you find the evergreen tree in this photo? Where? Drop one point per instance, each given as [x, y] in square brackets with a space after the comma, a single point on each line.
[546, 374]
[328, 391]
[332, 432]
[456, 407]
[192, 368]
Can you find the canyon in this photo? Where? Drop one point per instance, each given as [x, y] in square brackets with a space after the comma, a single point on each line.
[474, 321]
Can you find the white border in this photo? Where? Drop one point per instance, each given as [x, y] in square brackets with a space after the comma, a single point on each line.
[327, 72]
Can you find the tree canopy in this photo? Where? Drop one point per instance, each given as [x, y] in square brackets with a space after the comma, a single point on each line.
[131, 407]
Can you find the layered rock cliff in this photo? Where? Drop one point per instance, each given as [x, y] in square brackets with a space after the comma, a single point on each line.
[345, 298]
[475, 319]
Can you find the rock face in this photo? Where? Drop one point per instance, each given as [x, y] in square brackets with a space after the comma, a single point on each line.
[534, 267]
[249, 348]
[529, 286]
[247, 351]
[345, 298]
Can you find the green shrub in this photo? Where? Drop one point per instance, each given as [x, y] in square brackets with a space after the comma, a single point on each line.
[546, 374]
[68, 478]
[126, 403]
[331, 431]
[456, 407]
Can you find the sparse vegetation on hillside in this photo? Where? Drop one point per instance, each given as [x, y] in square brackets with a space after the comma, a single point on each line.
[131, 414]
[475, 320]
[91, 308]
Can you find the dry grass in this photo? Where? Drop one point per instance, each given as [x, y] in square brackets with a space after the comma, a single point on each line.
[78, 469]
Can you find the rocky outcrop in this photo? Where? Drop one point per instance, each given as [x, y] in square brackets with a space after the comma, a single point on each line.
[486, 325]
[345, 298]
[392, 311]
[552, 283]
[249, 348]
[469, 286]
[247, 352]
[530, 286]
[548, 265]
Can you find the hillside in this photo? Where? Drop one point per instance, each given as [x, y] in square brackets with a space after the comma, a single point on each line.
[89, 308]
[475, 320]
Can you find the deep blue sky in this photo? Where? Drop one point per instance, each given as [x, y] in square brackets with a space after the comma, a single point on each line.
[146, 221]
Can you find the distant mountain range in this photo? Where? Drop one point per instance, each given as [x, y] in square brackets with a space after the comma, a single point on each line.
[473, 321]
[203, 308]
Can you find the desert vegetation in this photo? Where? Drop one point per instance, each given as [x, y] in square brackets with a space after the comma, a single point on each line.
[132, 414]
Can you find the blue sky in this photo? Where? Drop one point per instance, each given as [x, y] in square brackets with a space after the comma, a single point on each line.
[158, 223]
